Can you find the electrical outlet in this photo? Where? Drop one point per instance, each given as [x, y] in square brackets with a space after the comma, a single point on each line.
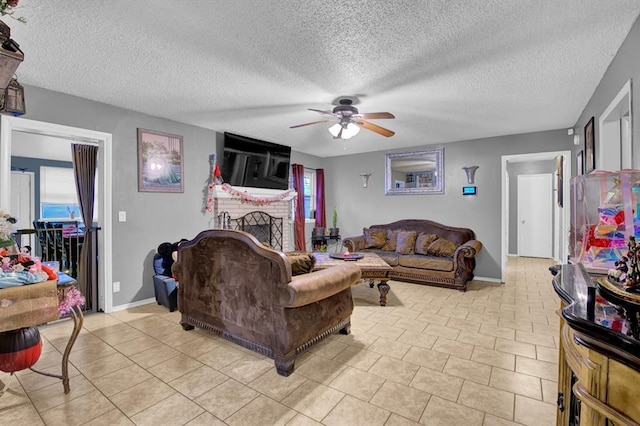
[116, 286]
[122, 216]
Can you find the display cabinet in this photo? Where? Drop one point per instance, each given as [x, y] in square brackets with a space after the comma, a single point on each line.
[604, 214]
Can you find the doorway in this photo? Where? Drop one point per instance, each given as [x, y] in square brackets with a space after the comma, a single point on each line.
[561, 237]
[534, 215]
[23, 203]
[64, 134]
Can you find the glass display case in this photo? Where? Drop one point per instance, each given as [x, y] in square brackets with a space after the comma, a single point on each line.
[604, 214]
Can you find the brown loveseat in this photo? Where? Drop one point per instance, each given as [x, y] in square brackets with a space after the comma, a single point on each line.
[234, 286]
[422, 251]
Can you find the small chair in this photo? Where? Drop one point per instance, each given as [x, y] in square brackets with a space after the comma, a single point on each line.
[164, 285]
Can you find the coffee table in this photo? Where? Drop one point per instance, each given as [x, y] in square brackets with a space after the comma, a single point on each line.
[372, 267]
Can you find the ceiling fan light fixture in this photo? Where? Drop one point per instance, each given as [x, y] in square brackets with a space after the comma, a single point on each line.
[335, 130]
[350, 131]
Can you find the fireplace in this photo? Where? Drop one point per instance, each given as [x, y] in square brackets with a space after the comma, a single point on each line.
[265, 229]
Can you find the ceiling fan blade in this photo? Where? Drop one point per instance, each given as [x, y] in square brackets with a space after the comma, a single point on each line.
[375, 115]
[375, 128]
[321, 111]
[308, 124]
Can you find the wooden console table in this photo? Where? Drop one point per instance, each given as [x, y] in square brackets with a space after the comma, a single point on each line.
[599, 360]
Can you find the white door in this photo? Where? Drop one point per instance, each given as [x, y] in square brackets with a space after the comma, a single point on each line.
[22, 202]
[535, 198]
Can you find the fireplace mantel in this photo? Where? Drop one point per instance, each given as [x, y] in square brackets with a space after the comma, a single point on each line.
[218, 192]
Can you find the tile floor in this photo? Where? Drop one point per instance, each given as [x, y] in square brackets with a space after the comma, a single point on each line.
[432, 356]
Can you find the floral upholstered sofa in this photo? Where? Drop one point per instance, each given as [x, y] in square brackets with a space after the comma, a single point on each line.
[422, 251]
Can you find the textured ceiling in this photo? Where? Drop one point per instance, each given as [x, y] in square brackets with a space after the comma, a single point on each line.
[449, 70]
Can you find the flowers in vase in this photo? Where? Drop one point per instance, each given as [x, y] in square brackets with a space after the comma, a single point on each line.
[7, 228]
[7, 9]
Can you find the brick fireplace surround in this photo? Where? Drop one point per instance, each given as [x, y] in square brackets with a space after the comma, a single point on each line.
[236, 207]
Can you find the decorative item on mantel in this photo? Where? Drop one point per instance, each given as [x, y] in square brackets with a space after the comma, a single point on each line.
[12, 99]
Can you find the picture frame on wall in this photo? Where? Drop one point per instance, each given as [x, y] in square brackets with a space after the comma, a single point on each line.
[160, 167]
[589, 147]
[580, 163]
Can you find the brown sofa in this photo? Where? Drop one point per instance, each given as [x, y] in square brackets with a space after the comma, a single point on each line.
[447, 265]
[234, 286]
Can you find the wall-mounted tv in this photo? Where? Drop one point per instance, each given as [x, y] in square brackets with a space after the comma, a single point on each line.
[255, 163]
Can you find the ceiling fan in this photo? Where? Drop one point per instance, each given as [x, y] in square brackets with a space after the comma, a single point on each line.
[349, 120]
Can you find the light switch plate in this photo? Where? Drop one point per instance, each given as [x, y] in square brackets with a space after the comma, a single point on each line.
[116, 286]
[122, 216]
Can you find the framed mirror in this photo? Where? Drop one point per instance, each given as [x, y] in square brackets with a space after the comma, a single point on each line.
[419, 172]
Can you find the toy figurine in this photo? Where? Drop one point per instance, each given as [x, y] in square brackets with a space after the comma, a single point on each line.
[619, 274]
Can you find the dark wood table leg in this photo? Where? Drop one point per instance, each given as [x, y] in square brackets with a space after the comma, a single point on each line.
[383, 288]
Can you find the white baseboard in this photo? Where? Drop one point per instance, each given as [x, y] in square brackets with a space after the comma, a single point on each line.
[491, 280]
[133, 305]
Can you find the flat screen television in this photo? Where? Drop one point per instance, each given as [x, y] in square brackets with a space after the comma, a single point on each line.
[255, 163]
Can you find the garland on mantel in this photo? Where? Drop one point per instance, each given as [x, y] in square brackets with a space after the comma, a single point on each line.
[245, 197]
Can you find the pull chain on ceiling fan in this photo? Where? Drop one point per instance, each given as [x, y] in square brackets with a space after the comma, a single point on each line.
[350, 121]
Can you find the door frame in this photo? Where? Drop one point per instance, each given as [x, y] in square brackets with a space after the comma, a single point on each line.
[550, 213]
[563, 213]
[9, 124]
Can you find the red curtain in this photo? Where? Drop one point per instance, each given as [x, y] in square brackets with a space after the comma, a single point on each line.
[297, 170]
[321, 220]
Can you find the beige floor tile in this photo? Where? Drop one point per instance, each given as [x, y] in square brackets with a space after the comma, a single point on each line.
[433, 317]
[126, 335]
[198, 346]
[452, 347]
[516, 324]
[302, 420]
[387, 331]
[262, 410]
[441, 331]
[226, 398]
[154, 355]
[404, 312]
[176, 409]
[436, 383]
[206, 419]
[477, 339]
[357, 383]
[87, 354]
[427, 358]
[406, 401]
[549, 391]
[174, 367]
[533, 367]
[383, 318]
[490, 400]
[440, 412]
[275, 386]
[352, 411]
[411, 325]
[247, 368]
[32, 381]
[468, 370]
[494, 358]
[320, 369]
[418, 339]
[53, 395]
[535, 339]
[22, 414]
[220, 357]
[490, 420]
[544, 353]
[518, 383]
[142, 396]
[137, 345]
[106, 329]
[111, 418]
[389, 348]
[516, 348]
[198, 381]
[313, 399]
[534, 413]
[358, 358]
[119, 380]
[395, 370]
[469, 324]
[328, 348]
[396, 420]
[79, 410]
[497, 331]
[360, 341]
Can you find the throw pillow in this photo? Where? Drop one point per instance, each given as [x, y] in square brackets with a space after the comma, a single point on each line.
[374, 238]
[424, 241]
[406, 241]
[442, 247]
[392, 239]
[301, 263]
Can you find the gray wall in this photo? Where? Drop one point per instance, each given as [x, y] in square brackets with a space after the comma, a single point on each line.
[625, 66]
[360, 207]
[515, 170]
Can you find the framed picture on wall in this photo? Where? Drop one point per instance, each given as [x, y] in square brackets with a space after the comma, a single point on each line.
[159, 162]
[580, 163]
[589, 147]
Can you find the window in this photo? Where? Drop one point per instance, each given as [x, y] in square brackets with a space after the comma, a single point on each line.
[309, 194]
[58, 198]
